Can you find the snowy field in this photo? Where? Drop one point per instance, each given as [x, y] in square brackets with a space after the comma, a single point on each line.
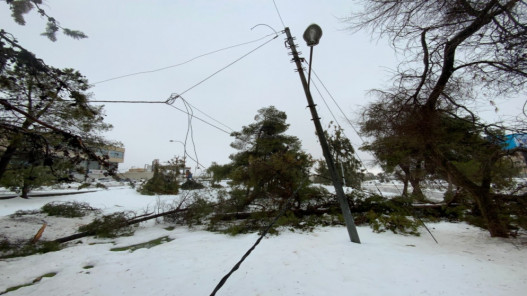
[466, 261]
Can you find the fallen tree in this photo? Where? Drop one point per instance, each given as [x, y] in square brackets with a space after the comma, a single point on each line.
[128, 223]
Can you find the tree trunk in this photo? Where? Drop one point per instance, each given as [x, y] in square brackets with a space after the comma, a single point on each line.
[12, 148]
[6, 157]
[25, 191]
[490, 212]
[417, 192]
[449, 196]
[406, 178]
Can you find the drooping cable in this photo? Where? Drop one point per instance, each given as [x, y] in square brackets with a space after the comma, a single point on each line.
[182, 63]
[191, 130]
[264, 233]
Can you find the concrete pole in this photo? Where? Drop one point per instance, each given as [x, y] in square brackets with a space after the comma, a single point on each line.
[346, 212]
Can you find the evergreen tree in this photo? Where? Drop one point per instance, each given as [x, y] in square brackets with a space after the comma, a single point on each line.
[270, 165]
[219, 172]
[348, 167]
[164, 181]
[45, 111]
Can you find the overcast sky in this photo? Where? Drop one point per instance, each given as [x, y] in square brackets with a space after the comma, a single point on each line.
[126, 37]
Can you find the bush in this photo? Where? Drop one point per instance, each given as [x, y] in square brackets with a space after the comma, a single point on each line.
[192, 185]
[163, 181]
[68, 209]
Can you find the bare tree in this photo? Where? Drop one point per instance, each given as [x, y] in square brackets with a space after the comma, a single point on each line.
[457, 52]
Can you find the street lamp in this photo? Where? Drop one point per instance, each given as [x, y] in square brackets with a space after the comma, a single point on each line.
[184, 151]
[312, 37]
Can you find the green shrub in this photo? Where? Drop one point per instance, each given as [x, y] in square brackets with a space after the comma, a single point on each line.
[192, 185]
[162, 182]
[68, 209]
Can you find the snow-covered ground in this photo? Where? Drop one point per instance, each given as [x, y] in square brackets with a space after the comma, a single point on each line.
[466, 261]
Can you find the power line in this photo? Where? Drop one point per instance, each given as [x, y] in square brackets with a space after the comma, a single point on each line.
[200, 119]
[166, 102]
[342, 112]
[338, 106]
[278, 12]
[230, 64]
[325, 103]
[123, 102]
[210, 117]
[183, 63]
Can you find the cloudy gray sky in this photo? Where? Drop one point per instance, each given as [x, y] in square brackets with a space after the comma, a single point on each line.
[133, 36]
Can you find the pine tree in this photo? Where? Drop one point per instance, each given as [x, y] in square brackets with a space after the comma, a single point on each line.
[270, 165]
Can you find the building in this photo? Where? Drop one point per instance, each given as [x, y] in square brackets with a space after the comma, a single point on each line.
[114, 154]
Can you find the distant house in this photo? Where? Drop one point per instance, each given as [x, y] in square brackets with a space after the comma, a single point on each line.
[114, 154]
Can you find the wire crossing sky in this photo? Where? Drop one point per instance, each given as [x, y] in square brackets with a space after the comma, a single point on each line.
[223, 83]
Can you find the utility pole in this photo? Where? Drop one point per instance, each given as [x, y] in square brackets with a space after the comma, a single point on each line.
[346, 212]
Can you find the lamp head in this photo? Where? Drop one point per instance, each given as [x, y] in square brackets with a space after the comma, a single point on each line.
[312, 35]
